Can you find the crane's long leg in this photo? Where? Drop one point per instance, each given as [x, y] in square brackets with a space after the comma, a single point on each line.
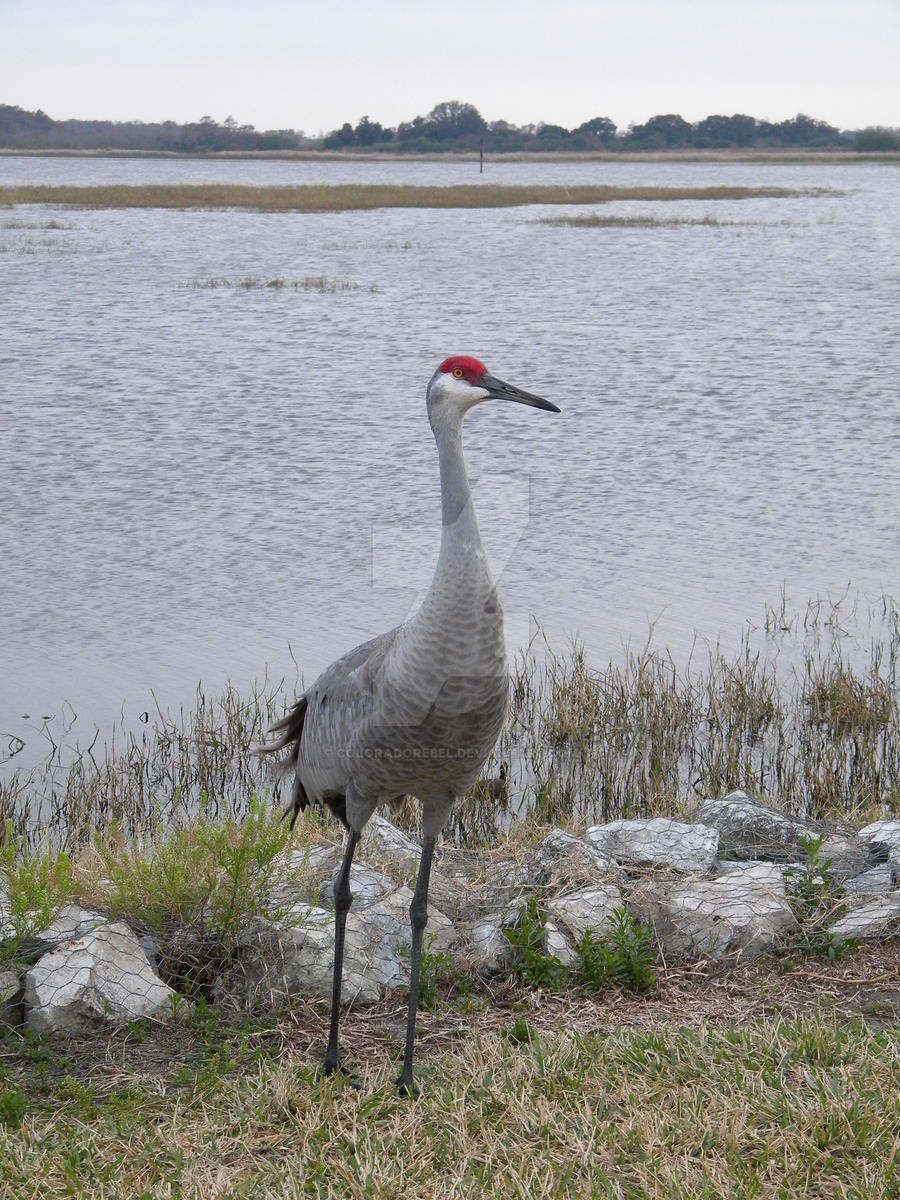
[343, 898]
[418, 917]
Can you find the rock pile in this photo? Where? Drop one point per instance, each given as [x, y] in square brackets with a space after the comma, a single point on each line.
[714, 887]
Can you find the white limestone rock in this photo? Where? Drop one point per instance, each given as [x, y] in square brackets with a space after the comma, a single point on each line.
[659, 841]
[483, 946]
[558, 945]
[563, 859]
[10, 996]
[72, 921]
[379, 938]
[103, 976]
[290, 957]
[467, 889]
[884, 834]
[383, 839]
[877, 881]
[294, 955]
[771, 874]
[588, 908]
[750, 829]
[876, 919]
[742, 913]
[317, 860]
[366, 886]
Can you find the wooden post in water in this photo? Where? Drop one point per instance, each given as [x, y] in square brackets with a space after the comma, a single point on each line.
[481, 157]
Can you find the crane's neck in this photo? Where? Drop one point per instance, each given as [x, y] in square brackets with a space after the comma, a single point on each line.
[458, 519]
[458, 629]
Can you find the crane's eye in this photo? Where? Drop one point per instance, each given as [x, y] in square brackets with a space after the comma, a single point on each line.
[458, 372]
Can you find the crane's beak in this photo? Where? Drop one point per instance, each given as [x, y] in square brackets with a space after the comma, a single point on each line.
[498, 390]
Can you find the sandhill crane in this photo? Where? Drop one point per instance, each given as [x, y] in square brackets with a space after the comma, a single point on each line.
[417, 710]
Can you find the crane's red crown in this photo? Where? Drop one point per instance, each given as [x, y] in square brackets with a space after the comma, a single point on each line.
[472, 370]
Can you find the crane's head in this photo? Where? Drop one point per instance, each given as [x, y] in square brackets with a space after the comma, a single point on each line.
[461, 382]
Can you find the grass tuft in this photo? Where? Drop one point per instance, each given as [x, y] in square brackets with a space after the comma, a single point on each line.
[197, 891]
[309, 283]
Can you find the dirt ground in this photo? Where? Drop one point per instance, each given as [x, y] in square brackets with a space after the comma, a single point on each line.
[864, 986]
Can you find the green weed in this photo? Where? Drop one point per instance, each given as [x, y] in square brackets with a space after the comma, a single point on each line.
[528, 960]
[816, 898]
[625, 956]
[197, 891]
[13, 1106]
[33, 887]
[442, 980]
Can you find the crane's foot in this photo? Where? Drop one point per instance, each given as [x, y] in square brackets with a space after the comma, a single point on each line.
[338, 1068]
[406, 1087]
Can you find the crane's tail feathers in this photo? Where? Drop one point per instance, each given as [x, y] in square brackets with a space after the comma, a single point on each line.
[298, 803]
[261, 748]
[290, 726]
[291, 729]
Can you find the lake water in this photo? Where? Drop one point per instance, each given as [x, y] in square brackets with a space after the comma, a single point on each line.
[206, 483]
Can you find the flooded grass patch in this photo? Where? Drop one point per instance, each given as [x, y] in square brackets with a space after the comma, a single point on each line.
[599, 221]
[309, 283]
[51, 224]
[805, 713]
[34, 247]
[343, 197]
[195, 763]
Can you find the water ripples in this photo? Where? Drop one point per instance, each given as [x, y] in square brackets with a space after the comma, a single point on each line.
[192, 479]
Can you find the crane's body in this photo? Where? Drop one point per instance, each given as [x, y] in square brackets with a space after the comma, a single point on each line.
[417, 710]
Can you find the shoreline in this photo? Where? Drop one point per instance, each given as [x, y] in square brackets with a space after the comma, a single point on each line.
[773, 157]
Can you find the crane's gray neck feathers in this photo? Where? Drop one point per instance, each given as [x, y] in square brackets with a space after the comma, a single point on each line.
[460, 610]
[456, 498]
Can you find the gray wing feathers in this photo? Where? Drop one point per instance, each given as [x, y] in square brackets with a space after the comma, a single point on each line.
[320, 728]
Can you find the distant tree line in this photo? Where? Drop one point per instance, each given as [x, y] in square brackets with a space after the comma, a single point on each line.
[454, 125]
[21, 130]
[450, 126]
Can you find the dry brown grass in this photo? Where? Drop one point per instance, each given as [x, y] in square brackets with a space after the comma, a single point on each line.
[777, 1080]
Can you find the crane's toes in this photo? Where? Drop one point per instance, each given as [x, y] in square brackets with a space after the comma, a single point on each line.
[406, 1087]
[332, 1068]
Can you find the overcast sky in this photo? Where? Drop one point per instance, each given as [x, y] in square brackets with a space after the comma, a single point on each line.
[313, 65]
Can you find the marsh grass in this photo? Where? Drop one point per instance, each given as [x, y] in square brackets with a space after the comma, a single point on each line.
[781, 1107]
[805, 713]
[195, 763]
[344, 197]
[600, 221]
[51, 224]
[309, 283]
